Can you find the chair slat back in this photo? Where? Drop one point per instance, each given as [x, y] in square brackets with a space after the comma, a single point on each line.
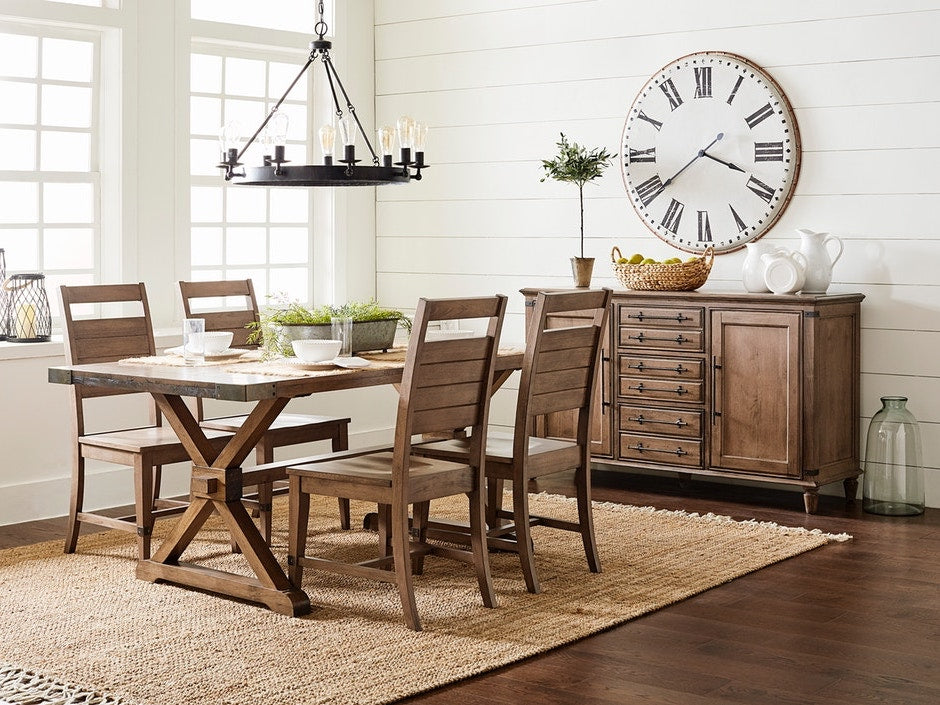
[233, 320]
[446, 383]
[560, 364]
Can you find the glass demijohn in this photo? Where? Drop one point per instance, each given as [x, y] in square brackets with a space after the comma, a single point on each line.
[894, 474]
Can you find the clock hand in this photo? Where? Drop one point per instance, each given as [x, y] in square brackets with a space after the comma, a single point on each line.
[700, 153]
[721, 161]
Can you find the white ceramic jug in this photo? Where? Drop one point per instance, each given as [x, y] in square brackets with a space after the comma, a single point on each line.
[784, 271]
[814, 247]
[752, 272]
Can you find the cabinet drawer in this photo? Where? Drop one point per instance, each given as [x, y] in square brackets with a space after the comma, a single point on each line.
[672, 422]
[679, 390]
[661, 338]
[654, 317]
[665, 451]
[636, 366]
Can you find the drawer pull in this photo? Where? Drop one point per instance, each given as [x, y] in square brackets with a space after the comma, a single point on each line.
[679, 423]
[678, 369]
[680, 339]
[645, 317]
[678, 391]
[640, 448]
[638, 388]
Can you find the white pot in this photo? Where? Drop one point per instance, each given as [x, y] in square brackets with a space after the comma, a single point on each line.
[784, 271]
[814, 247]
[752, 272]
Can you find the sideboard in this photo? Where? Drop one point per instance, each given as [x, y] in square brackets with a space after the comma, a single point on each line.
[758, 387]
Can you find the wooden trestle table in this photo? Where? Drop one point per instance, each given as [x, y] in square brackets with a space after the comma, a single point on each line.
[218, 478]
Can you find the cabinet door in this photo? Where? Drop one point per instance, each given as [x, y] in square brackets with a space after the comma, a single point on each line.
[564, 424]
[756, 392]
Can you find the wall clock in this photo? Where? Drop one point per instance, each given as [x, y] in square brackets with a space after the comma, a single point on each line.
[710, 152]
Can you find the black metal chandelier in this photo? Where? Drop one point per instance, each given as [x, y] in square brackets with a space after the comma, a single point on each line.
[412, 136]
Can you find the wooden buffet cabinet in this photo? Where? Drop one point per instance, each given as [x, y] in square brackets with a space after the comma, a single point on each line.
[746, 386]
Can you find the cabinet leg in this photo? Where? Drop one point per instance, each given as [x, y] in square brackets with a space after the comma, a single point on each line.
[851, 489]
[811, 500]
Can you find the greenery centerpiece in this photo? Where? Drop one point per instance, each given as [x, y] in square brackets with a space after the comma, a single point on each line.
[288, 320]
[577, 165]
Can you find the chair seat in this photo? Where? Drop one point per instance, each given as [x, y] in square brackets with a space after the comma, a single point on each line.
[498, 447]
[136, 440]
[375, 470]
[283, 421]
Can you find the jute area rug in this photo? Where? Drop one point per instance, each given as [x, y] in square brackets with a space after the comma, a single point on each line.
[81, 628]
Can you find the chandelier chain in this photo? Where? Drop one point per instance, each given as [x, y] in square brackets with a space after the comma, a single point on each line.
[320, 28]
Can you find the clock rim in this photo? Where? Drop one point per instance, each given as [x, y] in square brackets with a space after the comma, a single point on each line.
[797, 159]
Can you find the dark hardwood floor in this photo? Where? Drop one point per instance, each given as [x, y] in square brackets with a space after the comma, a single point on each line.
[857, 622]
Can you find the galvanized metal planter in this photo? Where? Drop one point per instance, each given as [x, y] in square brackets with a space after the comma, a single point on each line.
[366, 335]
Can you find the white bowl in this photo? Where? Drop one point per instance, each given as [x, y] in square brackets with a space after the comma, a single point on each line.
[214, 342]
[316, 350]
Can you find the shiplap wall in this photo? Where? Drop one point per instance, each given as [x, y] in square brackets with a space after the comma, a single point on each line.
[499, 79]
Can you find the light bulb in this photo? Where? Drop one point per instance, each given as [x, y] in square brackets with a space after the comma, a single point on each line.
[421, 136]
[386, 135]
[327, 140]
[279, 124]
[231, 135]
[406, 132]
[347, 129]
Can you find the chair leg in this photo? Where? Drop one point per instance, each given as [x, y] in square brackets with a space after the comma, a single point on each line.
[383, 522]
[582, 479]
[340, 441]
[157, 481]
[265, 500]
[520, 508]
[419, 522]
[297, 531]
[75, 502]
[494, 502]
[401, 550]
[481, 556]
[143, 505]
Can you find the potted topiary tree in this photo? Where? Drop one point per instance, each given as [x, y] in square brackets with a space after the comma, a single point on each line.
[575, 164]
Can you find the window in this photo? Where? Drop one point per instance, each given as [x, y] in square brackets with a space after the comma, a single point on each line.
[49, 181]
[241, 232]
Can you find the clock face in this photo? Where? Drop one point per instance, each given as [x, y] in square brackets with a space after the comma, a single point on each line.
[710, 152]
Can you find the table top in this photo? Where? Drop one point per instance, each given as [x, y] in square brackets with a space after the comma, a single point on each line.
[215, 382]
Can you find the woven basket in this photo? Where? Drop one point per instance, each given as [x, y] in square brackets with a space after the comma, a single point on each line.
[663, 277]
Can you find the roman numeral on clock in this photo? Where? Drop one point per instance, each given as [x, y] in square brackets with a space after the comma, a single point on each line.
[655, 123]
[737, 219]
[669, 88]
[734, 91]
[703, 81]
[642, 155]
[704, 229]
[768, 151]
[649, 189]
[760, 188]
[673, 216]
[759, 115]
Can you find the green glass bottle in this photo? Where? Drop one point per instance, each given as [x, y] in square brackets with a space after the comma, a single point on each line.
[894, 474]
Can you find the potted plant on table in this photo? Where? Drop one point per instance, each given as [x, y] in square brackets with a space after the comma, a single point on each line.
[373, 325]
[576, 164]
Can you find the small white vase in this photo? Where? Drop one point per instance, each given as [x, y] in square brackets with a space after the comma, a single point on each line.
[784, 271]
[752, 272]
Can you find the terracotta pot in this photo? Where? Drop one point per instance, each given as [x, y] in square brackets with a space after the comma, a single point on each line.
[581, 269]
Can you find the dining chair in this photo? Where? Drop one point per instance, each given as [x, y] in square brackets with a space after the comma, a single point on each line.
[559, 373]
[144, 449]
[445, 385]
[288, 429]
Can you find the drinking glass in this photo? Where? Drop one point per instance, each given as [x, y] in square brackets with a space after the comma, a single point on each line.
[342, 330]
[194, 340]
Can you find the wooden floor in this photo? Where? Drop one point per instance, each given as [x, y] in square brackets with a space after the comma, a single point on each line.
[857, 622]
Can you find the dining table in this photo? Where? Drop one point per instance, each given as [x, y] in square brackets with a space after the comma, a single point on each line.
[218, 478]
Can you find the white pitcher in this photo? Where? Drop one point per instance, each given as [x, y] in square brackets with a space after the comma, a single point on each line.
[784, 271]
[752, 272]
[814, 247]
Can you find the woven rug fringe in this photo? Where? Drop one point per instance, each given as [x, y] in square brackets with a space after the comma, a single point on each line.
[709, 517]
[19, 686]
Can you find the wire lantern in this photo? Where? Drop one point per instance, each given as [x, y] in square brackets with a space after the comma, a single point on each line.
[29, 318]
[4, 298]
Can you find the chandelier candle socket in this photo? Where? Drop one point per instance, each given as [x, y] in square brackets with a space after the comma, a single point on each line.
[273, 130]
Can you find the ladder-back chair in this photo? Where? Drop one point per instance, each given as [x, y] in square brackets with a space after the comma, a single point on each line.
[445, 385]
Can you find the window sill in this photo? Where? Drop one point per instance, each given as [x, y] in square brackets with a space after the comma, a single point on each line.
[166, 338]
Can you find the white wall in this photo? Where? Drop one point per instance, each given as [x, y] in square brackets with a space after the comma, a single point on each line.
[498, 80]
